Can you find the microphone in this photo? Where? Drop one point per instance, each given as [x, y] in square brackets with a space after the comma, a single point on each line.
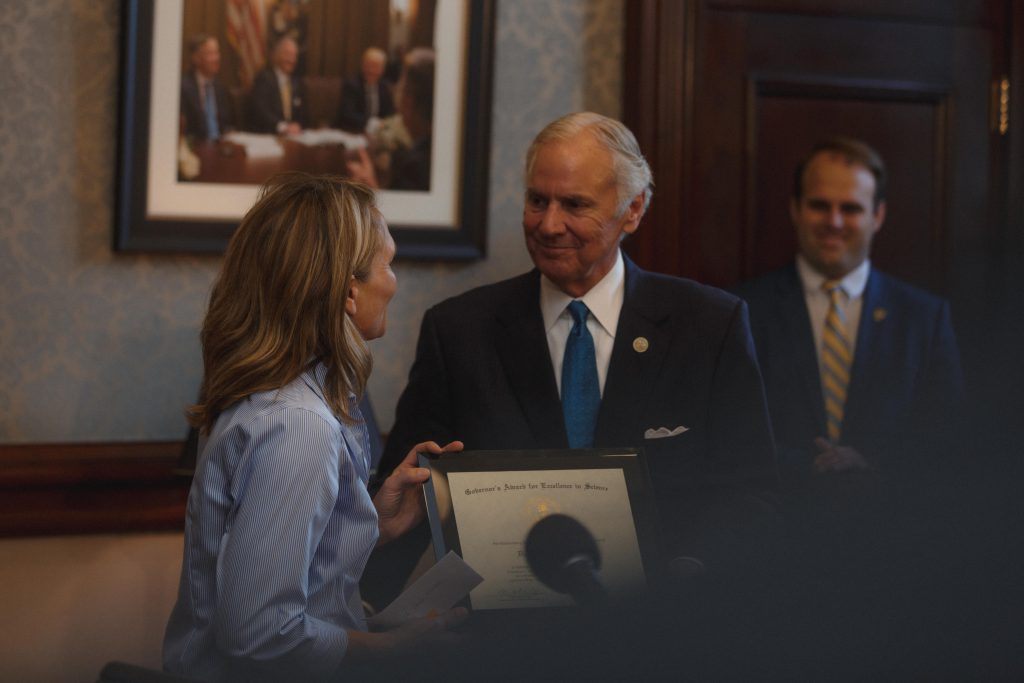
[563, 556]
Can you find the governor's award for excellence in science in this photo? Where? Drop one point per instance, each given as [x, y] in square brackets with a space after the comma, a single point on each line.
[483, 505]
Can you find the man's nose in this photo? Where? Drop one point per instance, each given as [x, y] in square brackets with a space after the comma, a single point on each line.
[551, 221]
[835, 218]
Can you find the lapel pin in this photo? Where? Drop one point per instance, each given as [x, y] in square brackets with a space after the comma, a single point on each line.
[879, 314]
[640, 344]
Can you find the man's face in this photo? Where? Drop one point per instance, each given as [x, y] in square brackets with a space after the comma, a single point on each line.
[206, 59]
[835, 219]
[373, 69]
[286, 55]
[570, 214]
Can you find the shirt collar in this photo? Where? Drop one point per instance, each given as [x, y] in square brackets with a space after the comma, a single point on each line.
[315, 376]
[853, 283]
[604, 299]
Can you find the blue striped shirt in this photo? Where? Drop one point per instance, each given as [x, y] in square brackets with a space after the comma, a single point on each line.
[278, 530]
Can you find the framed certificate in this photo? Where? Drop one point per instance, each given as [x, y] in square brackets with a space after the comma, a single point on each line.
[483, 504]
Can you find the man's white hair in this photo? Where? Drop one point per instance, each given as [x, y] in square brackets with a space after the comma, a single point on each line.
[632, 173]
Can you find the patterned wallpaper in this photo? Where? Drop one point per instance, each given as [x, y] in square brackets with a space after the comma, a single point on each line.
[100, 346]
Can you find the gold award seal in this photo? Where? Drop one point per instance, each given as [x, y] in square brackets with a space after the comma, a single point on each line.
[539, 508]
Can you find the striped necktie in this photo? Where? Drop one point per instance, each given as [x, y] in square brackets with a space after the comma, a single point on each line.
[286, 99]
[581, 391]
[836, 360]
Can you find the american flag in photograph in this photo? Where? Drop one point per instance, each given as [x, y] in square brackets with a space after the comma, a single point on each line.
[247, 35]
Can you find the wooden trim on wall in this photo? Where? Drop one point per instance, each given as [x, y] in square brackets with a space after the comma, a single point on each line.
[89, 488]
[658, 107]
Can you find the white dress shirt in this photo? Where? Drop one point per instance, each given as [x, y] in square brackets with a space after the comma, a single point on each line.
[201, 83]
[605, 303]
[284, 84]
[818, 301]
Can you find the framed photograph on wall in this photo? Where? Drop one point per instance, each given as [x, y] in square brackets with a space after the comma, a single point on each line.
[195, 143]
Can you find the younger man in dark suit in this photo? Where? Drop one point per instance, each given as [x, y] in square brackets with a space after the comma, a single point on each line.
[861, 370]
[896, 374]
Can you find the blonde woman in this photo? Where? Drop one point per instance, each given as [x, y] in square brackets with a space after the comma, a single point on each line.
[279, 523]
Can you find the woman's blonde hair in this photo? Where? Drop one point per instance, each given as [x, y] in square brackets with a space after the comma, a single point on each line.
[278, 305]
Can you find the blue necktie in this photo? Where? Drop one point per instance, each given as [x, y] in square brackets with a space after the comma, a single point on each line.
[212, 130]
[581, 393]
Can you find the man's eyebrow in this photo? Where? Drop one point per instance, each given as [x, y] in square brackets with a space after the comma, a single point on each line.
[580, 199]
[576, 199]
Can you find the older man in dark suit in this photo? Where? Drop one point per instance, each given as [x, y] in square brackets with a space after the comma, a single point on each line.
[666, 364]
[366, 96]
[277, 103]
[204, 100]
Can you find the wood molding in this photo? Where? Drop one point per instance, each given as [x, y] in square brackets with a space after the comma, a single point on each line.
[88, 488]
[657, 106]
[937, 96]
[702, 72]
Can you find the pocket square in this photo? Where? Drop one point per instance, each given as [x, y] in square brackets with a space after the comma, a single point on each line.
[664, 432]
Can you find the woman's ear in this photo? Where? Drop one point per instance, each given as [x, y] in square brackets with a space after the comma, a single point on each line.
[353, 294]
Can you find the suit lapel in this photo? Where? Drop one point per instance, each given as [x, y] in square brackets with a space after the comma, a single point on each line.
[631, 373]
[796, 326]
[523, 350]
[869, 345]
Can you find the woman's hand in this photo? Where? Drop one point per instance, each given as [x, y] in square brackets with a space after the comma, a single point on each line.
[410, 639]
[399, 502]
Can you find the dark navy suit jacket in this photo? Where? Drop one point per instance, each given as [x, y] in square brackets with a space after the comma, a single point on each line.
[265, 103]
[194, 112]
[906, 383]
[353, 106]
[483, 374]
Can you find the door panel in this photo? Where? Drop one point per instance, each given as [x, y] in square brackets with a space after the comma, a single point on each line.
[913, 239]
[746, 88]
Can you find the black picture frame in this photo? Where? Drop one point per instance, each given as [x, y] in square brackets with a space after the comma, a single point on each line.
[138, 230]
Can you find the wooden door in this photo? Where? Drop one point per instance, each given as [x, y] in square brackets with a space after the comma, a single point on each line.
[726, 96]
